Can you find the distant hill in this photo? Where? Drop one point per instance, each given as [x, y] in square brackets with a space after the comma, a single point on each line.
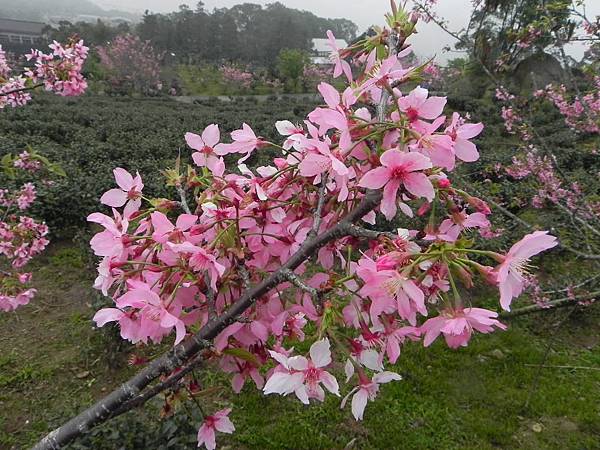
[45, 10]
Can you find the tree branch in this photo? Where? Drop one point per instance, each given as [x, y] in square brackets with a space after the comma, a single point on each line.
[24, 89]
[158, 388]
[183, 201]
[296, 281]
[319, 210]
[559, 303]
[190, 347]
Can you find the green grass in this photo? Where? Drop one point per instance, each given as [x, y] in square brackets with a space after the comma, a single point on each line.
[53, 364]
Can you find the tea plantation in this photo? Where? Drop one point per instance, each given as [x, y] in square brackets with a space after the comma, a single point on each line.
[90, 136]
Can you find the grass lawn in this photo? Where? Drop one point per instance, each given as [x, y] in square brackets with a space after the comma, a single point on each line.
[492, 394]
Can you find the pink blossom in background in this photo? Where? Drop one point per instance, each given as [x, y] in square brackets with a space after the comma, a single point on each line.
[219, 421]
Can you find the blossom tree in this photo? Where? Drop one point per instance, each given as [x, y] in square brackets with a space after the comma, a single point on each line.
[544, 179]
[132, 64]
[244, 264]
[21, 236]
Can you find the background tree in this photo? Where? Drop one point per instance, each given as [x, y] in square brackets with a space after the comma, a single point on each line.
[131, 64]
[290, 66]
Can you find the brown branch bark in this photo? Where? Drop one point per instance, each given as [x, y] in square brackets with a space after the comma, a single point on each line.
[190, 347]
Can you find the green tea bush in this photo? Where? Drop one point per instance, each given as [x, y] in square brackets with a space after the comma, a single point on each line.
[90, 136]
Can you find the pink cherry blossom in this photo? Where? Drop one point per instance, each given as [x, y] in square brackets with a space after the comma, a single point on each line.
[130, 192]
[399, 169]
[165, 230]
[417, 105]
[293, 133]
[457, 325]
[460, 133]
[110, 241]
[510, 274]
[340, 64]
[219, 421]
[367, 390]
[439, 148]
[206, 146]
[245, 142]
[303, 376]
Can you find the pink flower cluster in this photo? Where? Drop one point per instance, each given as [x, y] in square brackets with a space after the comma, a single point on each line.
[171, 266]
[550, 188]
[238, 76]
[581, 113]
[60, 70]
[25, 162]
[21, 238]
[131, 61]
[528, 37]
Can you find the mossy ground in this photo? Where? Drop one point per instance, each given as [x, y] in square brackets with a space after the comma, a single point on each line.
[490, 395]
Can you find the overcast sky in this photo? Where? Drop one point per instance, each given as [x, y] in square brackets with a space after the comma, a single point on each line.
[427, 43]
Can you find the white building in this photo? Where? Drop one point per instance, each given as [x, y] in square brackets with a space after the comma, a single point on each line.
[20, 31]
[321, 51]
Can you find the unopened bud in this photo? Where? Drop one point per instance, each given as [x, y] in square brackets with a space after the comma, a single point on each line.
[423, 209]
[465, 276]
[444, 183]
[479, 205]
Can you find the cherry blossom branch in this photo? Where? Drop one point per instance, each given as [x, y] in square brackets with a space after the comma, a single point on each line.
[24, 89]
[190, 347]
[583, 283]
[525, 224]
[559, 303]
[319, 210]
[158, 388]
[296, 281]
[359, 232]
[183, 201]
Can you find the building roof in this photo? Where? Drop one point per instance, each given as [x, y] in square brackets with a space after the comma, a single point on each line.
[322, 45]
[21, 26]
[320, 60]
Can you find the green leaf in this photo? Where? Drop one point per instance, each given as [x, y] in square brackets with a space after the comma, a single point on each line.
[243, 354]
[57, 170]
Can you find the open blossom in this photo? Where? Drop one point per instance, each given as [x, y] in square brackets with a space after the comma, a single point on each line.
[152, 319]
[460, 133]
[219, 421]
[510, 273]
[164, 230]
[12, 302]
[389, 70]
[110, 241]
[417, 105]
[205, 146]
[26, 196]
[245, 142]
[457, 325]
[303, 376]
[293, 133]
[200, 260]
[399, 169]
[340, 64]
[367, 391]
[129, 192]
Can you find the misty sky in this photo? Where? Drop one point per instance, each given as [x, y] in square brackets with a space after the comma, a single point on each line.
[427, 43]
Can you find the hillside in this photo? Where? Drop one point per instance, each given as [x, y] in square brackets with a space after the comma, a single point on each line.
[43, 10]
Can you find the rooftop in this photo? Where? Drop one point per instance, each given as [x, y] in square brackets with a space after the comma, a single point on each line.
[21, 26]
[322, 45]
